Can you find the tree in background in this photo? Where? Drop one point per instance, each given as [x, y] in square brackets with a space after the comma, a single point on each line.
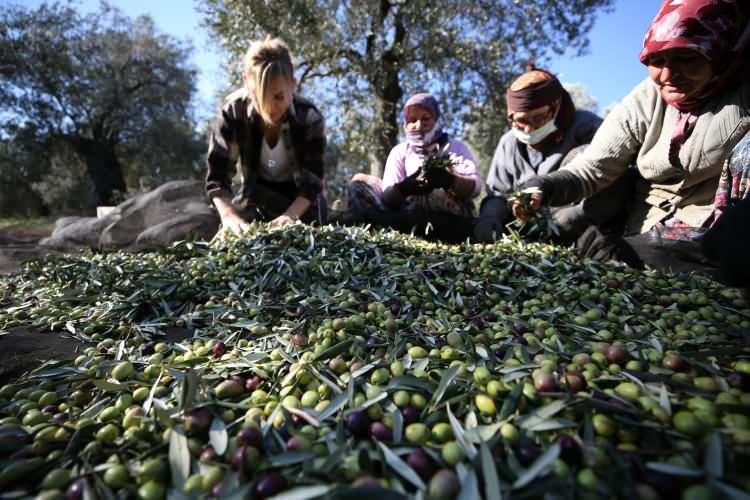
[109, 89]
[366, 55]
[581, 96]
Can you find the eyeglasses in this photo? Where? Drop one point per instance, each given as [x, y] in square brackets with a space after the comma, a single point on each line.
[536, 119]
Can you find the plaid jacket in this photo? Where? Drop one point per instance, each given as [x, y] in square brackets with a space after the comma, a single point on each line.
[238, 133]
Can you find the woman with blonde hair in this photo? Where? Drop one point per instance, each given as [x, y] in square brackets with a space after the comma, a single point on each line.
[277, 136]
[545, 127]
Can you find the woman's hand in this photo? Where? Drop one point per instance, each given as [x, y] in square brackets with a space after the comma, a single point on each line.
[524, 213]
[439, 178]
[231, 222]
[413, 185]
[283, 220]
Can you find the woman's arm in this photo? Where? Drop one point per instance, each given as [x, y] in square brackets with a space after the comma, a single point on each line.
[296, 210]
[467, 183]
[223, 152]
[394, 174]
[614, 146]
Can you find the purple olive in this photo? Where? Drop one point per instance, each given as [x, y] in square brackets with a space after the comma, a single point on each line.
[296, 443]
[198, 420]
[545, 382]
[420, 462]
[250, 436]
[674, 362]
[527, 452]
[410, 414]
[216, 490]
[49, 409]
[517, 339]
[490, 317]
[238, 379]
[75, 490]
[570, 450]
[366, 482]
[207, 455]
[253, 383]
[238, 458]
[444, 485]
[381, 432]
[358, 424]
[299, 339]
[617, 354]
[575, 380]
[739, 381]
[219, 349]
[300, 311]
[395, 308]
[270, 485]
[59, 418]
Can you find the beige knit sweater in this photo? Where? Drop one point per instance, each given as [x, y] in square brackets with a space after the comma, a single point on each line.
[638, 131]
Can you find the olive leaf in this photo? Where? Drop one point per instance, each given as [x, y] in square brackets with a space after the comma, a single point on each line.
[539, 467]
[400, 467]
[458, 433]
[448, 376]
[179, 457]
[674, 470]
[304, 492]
[489, 473]
[217, 435]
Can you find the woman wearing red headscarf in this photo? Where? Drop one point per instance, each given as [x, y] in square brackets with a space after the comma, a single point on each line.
[678, 126]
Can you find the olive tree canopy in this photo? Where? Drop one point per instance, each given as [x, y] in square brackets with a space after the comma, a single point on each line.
[111, 89]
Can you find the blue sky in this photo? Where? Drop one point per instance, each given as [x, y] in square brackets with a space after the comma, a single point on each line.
[609, 70]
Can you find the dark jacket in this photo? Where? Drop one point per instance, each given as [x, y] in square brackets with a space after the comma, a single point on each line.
[512, 166]
[238, 134]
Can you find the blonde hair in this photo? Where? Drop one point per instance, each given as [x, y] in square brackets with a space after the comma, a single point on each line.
[265, 61]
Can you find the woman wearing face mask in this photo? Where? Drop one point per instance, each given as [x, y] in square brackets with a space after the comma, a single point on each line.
[680, 125]
[408, 199]
[545, 127]
[278, 138]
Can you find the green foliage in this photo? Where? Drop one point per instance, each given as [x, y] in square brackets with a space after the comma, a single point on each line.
[113, 90]
[359, 59]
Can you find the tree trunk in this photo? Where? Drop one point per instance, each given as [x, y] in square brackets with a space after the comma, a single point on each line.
[103, 169]
[386, 133]
[388, 91]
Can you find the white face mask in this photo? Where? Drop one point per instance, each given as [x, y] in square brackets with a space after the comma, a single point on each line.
[536, 136]
[422, 138]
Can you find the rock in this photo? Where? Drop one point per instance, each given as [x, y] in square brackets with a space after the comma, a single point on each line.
[169, 213]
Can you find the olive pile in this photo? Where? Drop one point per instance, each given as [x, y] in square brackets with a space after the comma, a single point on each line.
[334, 362]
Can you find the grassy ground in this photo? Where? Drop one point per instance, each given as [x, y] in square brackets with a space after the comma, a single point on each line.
[36, 223]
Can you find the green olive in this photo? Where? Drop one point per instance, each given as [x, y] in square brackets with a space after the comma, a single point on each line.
[452, 453]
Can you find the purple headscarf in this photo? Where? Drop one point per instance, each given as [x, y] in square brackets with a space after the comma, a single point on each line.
[423, 139]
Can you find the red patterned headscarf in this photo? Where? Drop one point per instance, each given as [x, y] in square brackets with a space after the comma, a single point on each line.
[717, 29]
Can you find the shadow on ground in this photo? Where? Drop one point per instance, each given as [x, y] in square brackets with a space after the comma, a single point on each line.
[24, 349]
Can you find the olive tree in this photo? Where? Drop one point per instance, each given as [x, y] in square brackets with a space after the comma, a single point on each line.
[112, 89]
[359, 58]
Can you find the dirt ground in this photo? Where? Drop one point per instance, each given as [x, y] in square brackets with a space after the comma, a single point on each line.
[19, 243]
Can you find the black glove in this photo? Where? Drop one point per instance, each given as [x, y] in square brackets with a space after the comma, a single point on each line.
[493, 215]
[413, 185]
[439, 178]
